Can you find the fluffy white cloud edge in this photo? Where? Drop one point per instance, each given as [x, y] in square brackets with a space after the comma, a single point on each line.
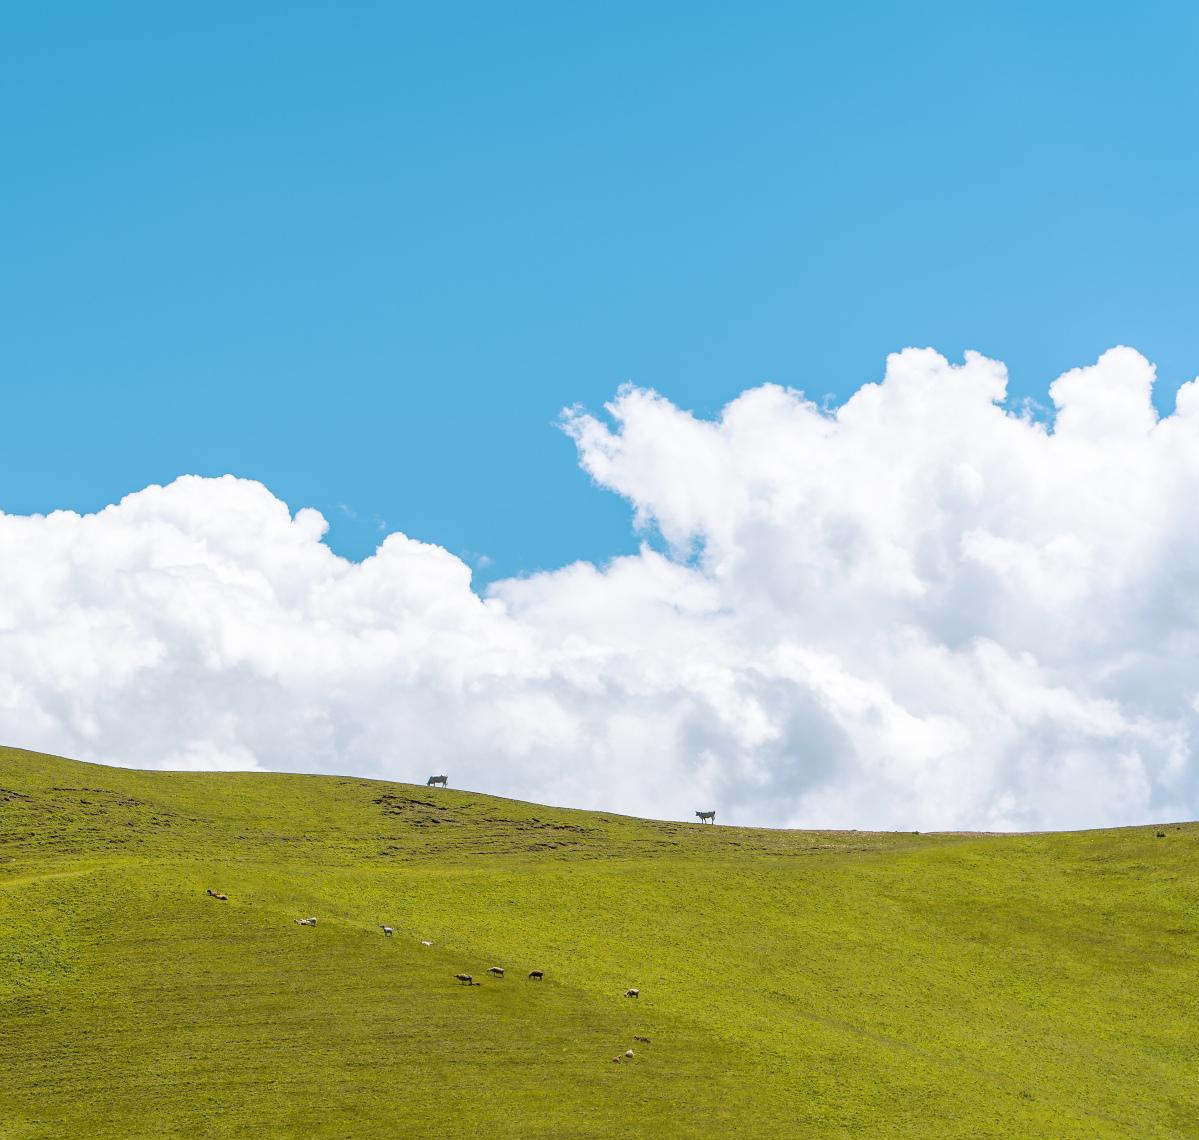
[918, 610]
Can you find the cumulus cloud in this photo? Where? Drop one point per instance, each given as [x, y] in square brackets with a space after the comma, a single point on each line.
[919, 609]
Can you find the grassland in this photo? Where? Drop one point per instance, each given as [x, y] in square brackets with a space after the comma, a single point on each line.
[794, 984]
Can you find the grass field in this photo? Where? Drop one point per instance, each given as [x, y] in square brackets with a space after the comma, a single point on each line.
[793, 984]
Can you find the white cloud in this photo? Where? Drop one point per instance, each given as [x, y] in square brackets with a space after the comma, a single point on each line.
[917, 610]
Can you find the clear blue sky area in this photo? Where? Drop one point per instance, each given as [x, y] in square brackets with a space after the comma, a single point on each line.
[366, 252]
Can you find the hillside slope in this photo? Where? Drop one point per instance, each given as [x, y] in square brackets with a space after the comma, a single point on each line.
[793, 984]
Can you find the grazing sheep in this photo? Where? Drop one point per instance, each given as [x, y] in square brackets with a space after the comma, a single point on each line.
[632, 993]
[643, 1040]
[388, 931]
[218, 895]
[466, 979]
[628, 1053]
[425, 942]
[536, 975]
[444, 781]
[616, 1060]
[498, 971]
[305, 921]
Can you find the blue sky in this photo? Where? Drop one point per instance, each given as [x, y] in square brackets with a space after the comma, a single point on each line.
[366, 253]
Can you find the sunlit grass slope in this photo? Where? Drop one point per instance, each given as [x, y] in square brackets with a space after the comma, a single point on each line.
[793, 984]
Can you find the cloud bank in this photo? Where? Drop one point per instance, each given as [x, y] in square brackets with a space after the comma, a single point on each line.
[918, 610]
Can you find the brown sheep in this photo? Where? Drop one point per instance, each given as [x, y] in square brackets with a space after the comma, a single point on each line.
[218, 895]
[643, 1040]
[632, 993]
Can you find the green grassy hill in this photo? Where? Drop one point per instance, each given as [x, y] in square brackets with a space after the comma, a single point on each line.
[793, 984]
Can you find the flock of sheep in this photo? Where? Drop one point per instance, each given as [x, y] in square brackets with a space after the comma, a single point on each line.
[495, 972]
[465, 979]
[536, 976]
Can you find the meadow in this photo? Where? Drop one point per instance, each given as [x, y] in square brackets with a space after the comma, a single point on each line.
[793, 984]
